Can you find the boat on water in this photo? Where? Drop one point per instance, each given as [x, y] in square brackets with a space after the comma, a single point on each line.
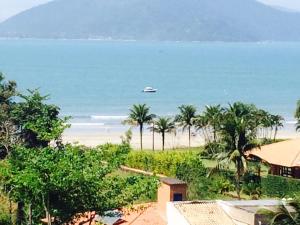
[149, 90]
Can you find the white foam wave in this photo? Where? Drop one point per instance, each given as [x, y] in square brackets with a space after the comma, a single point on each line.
[87, 124]
[95, 117]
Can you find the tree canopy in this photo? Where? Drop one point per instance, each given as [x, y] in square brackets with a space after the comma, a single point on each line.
[65, 183]
[8, 91]
[38, 122]
[140, 115]
[185, 118]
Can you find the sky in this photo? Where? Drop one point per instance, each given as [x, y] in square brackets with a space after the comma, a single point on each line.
[11, 7]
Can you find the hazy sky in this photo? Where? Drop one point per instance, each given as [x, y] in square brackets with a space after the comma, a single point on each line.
[11, 7]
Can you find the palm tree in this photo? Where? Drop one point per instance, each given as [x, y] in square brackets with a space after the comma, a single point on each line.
[282, 216]
[213, 115]
[138, 116]
[238, 130]
[201, 123]
[297, 115]
[185, 118]
[277, 122]
[163, 125]
[264, 120]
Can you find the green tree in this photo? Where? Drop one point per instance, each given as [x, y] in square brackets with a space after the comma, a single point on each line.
[162, 126]
[65, 183]
[209, 122]
[297, 115]
[185, 118]
[277, 122]
[8, 91]
[238, 132]
[213, 115]
[38, 123]
[139, 116]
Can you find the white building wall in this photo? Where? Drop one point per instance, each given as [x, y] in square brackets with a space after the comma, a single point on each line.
[174, 217]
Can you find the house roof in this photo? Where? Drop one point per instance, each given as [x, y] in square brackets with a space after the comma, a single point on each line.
[285, 153]
[203, 213]
[171, 181]
[144, 214]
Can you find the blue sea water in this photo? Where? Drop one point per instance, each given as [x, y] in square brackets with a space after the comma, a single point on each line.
[96, 82]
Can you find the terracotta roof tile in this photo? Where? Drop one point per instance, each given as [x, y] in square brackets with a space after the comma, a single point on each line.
[204, 213]
[285, 153]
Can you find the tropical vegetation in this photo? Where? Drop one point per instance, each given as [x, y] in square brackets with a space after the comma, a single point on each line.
[162, 126]
[185, 118]
[139, 116]
[43, 178]
[286, 214]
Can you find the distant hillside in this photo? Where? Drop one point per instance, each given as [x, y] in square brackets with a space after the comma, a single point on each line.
[175, 20]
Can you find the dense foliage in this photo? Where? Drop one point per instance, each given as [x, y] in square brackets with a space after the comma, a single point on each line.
[187, 166]
[38, 123]
[7, 126]
[64, 183]
[276, 186]
[233, 130]
[167, 163]
[27, 119]
[43, 178]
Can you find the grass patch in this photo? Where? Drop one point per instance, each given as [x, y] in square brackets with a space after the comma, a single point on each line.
[192, 149]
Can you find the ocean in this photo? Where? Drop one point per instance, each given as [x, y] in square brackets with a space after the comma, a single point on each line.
[96, 82]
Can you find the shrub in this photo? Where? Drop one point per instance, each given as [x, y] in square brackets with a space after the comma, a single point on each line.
[252, 185]
[186, 166]
[276, 186]
[114, 154]
[211, 149]
[4, 219]
[209, 187]
[173, 164]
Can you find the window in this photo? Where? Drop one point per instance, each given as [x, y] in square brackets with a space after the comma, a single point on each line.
[177, 197]
[286, 171]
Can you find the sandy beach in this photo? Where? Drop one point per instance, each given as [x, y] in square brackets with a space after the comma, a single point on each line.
[171, 141]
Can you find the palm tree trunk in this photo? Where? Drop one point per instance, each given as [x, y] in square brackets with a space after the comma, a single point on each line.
[163, 141]
[238, 180]
[275, 133]
[189, 136]
[215, 133]
[141, 136]
[153, 137]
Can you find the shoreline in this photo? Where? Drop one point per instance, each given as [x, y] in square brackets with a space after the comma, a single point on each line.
[94, 138]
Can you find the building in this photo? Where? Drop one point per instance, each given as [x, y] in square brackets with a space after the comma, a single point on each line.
[170, 190]
[219, 212]
[172, 208]
[283, 157]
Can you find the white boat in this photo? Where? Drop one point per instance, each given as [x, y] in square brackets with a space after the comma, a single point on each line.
[149, 89]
